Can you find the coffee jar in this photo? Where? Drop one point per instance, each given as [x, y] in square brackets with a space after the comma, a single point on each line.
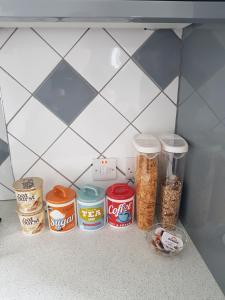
[120, 205]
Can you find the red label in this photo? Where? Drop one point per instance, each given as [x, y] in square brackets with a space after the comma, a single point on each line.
[120, 214]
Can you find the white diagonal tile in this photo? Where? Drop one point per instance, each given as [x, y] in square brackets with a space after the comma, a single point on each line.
[48, 174]
[61, 39]
[130, 90]
[5, 34]
[6, 174]
[21, 157]
[172, 90]
[87, 178]
[97, 57]
[28, 58]
[36, 126]
[123, 148]
[13, 95]
[99, 123]
[70, 155]
[159, 117]
[6, 194]
[130, 39]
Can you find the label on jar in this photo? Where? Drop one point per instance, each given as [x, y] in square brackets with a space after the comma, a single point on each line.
[91, 217]
[61, 219]
[171, 242]
[120, 213]
[32, 224]
[29, 201]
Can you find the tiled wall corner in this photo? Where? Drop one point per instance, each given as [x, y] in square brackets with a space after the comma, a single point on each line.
[201, 120]
[71, 95]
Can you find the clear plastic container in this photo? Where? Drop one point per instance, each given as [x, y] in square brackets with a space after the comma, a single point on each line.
[172, 164]
[146, 177]
[167, 242]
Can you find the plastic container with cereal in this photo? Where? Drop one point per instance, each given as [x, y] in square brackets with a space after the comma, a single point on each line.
[146, 176]
[61, 209]
[172, 164]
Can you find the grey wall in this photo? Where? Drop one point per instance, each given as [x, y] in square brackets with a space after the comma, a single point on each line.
[201, 120]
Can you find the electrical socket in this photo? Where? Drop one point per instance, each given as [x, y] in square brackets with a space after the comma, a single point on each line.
[104, 169]
[130, 167]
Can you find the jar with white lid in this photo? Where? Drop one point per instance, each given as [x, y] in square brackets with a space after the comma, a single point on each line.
[172, 164]
[146, 176]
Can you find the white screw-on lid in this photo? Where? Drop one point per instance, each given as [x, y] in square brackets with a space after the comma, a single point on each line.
[173, 143]
[146, 143]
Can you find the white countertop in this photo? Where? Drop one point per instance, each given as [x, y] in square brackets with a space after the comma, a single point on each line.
[106, 264]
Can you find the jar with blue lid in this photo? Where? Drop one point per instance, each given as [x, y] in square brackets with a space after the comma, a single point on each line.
[91, 213]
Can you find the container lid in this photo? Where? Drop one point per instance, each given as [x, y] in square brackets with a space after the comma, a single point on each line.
[90, 193]
[60, 194]
[146, 143]
[173, 143]
[120, 191]
[28, 183]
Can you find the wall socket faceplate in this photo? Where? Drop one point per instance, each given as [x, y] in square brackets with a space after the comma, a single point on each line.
[130, 167]
[104, 169]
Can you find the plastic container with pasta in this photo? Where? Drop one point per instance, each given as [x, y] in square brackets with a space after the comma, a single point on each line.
[146, 177]
[174, 149]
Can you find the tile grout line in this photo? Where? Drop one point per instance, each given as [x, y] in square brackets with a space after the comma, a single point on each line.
[44, 40]
[8, 38]
[112, 37]
[10, 120]
[146, 107]
[14, 78]
[115, 139]
[38, 158]
[85, 140]
[6, 187]
[77, 41]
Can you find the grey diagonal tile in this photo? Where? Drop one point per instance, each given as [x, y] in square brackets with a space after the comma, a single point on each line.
[159, 56]
[4, 151]
[213, 92]
[185, 90]
[203, 55]
[195, 121]
[65, 93]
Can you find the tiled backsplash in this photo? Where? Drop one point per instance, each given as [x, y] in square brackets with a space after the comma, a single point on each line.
[71, 95]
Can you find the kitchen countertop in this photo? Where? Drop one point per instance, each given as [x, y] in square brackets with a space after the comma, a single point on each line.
[106, 264]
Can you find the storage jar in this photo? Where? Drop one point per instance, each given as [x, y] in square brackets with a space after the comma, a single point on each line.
[61, 209]
[120, 205]
[174, 149]
[91, 208]
[146, 176]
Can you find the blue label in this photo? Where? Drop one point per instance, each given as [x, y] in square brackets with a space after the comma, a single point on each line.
[91, 217]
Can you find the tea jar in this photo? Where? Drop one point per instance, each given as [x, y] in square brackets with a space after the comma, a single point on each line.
[91, 208]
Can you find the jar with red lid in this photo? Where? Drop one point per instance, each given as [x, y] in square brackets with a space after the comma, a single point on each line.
[120, 205]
